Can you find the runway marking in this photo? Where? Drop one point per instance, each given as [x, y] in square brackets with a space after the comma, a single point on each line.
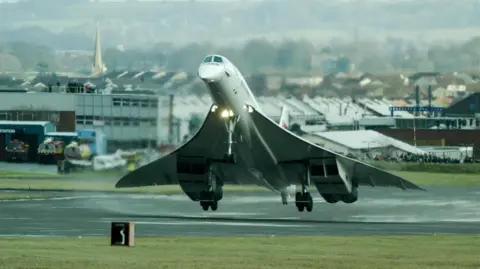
[281, 218]
[229, 200]
[410, 219]
[220, 223]
[28, 235]
[400, 202]
[45, 199]
[206, 215]
[153, 196]
[277, 200]
[218, 214]
[212, 216]
[456, 220]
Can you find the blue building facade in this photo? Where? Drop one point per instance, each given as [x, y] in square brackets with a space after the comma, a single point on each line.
[31, 132]
[95, 140]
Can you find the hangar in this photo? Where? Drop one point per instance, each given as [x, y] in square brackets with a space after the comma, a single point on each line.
[359, 143]
[31, 133]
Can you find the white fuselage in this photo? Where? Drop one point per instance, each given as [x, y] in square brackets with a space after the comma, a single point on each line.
[228, 89]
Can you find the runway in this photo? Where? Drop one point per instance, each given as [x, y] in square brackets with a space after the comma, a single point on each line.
[28, 167]
[378, 212]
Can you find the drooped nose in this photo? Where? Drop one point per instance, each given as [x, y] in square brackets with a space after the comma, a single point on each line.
[211, 73]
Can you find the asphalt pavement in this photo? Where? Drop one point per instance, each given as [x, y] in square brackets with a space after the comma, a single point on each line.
[378, 212]
[28, 167]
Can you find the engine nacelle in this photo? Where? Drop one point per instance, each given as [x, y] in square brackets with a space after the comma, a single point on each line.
[333, 180]
[330, 198]
[350, 198]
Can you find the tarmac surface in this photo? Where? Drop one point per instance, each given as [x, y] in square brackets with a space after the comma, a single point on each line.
[378, 212]
[28, 167]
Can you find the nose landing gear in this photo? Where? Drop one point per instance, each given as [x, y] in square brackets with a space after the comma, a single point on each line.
[230, 124]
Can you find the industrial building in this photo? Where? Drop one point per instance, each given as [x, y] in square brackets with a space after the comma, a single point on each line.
[123, 118]
[38, 107]
[138, 120]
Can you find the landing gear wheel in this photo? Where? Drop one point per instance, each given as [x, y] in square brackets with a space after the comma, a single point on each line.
[204, 206]
[309, 206]
[298, 203]
[304, 201]
[209, 204]
[298, 197]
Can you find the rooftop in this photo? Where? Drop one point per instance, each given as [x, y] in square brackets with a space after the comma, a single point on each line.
[367, 139]
[41, 123]
[62, 134]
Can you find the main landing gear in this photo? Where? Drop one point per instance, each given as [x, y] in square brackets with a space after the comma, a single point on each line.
[209, 199]
[206, 204]
[230, 123]
[304, 200]
[284, 196]
[213, 191]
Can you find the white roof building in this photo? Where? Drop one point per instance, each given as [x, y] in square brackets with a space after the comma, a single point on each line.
[360, 142]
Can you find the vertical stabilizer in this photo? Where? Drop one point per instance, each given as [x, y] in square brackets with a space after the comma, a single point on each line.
[285, 118]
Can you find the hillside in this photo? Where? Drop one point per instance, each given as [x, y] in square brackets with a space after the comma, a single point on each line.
[144, 23]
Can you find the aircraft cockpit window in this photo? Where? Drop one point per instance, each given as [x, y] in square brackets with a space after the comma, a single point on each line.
[207, 59]
[218, 59]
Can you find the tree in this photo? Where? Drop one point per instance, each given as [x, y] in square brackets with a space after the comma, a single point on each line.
[194, 123]
[296, 56]
[30, 55]
[448, 59]
[406, 57]
[187, 57]
[472, 46]
[426, 66]
[375, 64]
[258, 54]
[42, 68]
[258, 84]
[9, 63]
[342, 64]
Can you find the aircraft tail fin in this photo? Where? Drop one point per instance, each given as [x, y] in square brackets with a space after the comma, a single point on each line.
[284, 118]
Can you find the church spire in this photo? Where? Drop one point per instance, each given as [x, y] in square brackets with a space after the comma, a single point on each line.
[98, 67]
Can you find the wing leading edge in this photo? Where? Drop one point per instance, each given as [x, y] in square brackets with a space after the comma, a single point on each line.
[290, 148]
[206, 144]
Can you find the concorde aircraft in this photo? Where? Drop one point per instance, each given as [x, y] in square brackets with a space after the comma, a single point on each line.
[239, 145]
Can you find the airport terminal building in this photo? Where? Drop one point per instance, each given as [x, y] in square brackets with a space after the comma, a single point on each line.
[125, 119]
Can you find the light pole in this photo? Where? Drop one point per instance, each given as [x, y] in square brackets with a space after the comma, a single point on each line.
[414, 131]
